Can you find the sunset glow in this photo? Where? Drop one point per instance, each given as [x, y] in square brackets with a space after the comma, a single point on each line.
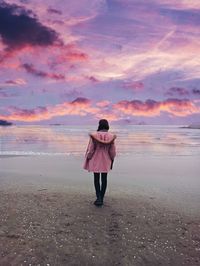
[77, 61]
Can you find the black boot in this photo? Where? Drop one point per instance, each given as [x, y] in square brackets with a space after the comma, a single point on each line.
[103, 185]
[98, 201]
[102, 196]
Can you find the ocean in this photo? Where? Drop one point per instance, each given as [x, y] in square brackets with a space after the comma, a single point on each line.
[145, 140]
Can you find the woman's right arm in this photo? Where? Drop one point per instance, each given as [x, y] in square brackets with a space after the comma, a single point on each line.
[112, 151]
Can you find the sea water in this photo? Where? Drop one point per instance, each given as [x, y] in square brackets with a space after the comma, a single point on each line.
[145, 140]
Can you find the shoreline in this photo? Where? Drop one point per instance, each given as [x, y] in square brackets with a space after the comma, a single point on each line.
[174, 182]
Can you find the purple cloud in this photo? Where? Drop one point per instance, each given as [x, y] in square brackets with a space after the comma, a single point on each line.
[31, 69]
[177, 91]
[54, 11]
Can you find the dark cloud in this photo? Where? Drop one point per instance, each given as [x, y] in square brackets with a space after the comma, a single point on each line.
[196, 91]
[32, 70]
[176, 91]
[71, 94]
[13, 82]
[93, 79]
[180, 102]
[54, 11]
[81, 100]
[20, 27]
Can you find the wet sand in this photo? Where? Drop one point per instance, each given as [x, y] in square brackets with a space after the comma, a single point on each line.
[47, 216]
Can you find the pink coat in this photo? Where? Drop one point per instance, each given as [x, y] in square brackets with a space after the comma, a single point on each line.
[100, 152]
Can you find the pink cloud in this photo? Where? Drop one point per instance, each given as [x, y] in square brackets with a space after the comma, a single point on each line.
[109, 116]
[80, 106]
[177, 91]
[134, 85]
[18, 81]
[175, 107]
[11, 58]
[104, 103]
[68, 53]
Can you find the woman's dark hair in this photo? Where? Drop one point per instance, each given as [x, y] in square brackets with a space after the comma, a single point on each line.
[103, 124]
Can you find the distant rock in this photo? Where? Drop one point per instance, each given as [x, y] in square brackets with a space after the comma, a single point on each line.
[123, 122]
[193, 126]
[5, 123]
[142, 123]
[129, 122]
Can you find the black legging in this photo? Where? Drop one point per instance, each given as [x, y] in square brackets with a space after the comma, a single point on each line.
[100, 191]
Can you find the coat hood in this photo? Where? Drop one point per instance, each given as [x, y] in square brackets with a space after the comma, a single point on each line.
[103, 137]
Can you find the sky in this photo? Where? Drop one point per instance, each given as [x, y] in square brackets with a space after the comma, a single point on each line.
[75, 62]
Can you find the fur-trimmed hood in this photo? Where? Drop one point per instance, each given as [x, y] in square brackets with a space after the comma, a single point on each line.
[103, 137]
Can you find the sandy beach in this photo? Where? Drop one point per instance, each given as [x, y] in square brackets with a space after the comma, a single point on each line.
[150, 215]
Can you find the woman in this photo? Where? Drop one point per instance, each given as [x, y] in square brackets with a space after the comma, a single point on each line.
[99, 157]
